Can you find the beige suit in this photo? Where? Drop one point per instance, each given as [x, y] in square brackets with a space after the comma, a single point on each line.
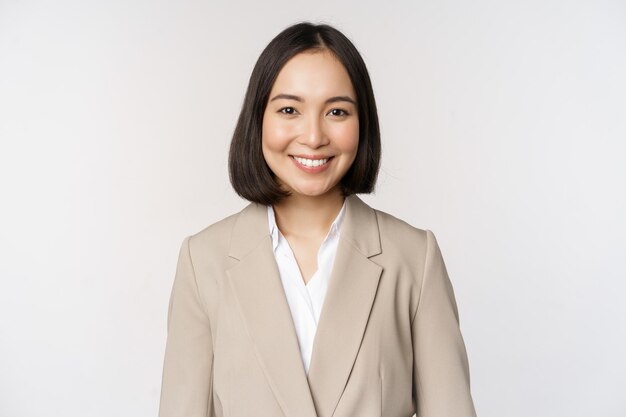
[388, 342]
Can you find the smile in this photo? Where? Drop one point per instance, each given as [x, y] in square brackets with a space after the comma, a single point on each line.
[311, 162]
[311, 165]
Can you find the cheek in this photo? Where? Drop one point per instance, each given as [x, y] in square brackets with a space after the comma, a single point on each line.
[347, 136]
[276, 135]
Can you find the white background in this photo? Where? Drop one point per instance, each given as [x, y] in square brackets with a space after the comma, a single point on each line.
[503, 132]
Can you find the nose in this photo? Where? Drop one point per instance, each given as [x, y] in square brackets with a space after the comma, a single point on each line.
[314, 135]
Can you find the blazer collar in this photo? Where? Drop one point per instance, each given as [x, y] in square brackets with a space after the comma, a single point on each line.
[255, 281]
[360, 228]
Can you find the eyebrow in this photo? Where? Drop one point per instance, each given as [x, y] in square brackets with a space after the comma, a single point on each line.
[300, 99]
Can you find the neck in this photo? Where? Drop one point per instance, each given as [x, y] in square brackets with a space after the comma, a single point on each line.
[308, 216]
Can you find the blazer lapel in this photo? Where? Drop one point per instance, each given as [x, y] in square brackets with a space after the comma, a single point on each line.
[345, 312]
[257, 286]
[256, 283]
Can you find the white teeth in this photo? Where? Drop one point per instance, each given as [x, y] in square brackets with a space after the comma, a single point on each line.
[311, 162]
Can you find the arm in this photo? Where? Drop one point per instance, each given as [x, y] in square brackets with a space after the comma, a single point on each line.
[186, 389]
[441, 384]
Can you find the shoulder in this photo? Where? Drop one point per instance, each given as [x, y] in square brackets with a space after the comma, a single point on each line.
[399, 230]
[403, 241]
[214, 238]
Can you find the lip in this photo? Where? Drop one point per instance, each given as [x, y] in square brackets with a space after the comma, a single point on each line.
[312, 157]
[311, 170]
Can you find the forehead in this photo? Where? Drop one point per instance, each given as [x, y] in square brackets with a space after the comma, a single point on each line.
[313, 74]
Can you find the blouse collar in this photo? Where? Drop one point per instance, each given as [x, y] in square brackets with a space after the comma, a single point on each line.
[275, 232]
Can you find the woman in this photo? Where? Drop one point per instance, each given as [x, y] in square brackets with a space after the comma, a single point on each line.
[247, 334]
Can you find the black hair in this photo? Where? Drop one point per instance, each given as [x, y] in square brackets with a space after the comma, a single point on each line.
[249, 173]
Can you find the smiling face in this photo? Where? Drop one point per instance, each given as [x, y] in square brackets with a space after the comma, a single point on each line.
[310, 131]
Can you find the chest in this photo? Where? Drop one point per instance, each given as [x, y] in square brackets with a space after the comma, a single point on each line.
[367, 318]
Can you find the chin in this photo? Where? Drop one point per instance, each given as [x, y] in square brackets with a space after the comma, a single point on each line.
[312, 192]
[308, 193]
[311, 188]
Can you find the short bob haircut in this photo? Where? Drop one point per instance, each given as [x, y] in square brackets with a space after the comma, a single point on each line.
[249, 174]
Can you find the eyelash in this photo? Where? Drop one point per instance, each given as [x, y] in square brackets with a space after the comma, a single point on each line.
[345, 113]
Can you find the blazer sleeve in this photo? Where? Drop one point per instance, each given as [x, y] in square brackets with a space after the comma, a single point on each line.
[441, 383]
[186, 387]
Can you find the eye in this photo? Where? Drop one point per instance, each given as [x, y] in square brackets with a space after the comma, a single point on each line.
[287, 110]
[339, 112]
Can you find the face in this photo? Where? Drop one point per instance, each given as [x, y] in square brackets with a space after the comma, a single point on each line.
[310, 131]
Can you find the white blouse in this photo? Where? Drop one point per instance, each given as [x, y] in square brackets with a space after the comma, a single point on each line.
[305, 300]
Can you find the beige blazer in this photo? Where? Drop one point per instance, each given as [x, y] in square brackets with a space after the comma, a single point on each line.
[388, 342]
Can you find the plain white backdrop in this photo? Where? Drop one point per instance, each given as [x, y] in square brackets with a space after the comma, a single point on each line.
[504, 129]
